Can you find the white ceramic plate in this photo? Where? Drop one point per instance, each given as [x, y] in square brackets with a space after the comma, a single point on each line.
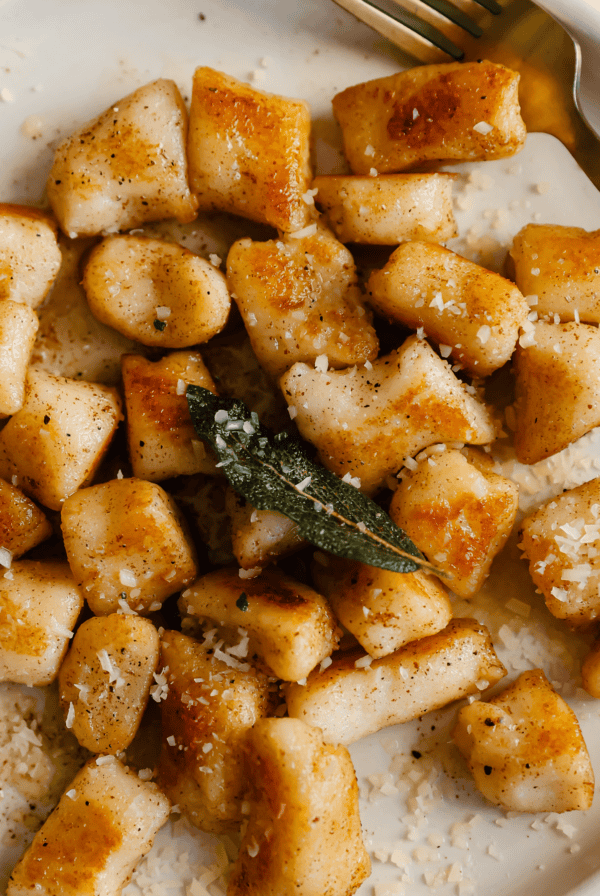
[62, 62]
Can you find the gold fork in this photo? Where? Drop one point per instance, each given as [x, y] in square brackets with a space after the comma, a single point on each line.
[518, 34]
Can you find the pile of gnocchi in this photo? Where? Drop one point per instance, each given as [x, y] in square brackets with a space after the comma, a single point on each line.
[267, 677]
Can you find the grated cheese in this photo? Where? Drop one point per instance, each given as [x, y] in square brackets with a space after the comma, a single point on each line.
[5, 558]
[127, 578]
[309, 230]
[484, 333]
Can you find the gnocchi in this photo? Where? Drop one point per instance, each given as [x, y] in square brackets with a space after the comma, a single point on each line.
[447, 111]
[525, 750]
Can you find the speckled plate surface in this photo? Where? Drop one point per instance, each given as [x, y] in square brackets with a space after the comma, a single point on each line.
[62, 62]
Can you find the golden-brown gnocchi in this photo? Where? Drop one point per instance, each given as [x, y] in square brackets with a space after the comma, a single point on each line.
[561, 267]
[384, 610]
[300, 299]
[459, 515]
[126, 167]
[525, 748]
[56, 441]
[209, 707]
[557, 388]
[29, 254]
[18, 327]
[472, 313]
[447, 111]
[387, 210]
[155, 292]
[103, 825]
[365, 421]
[355, 696]
[39, 606]
[249, 151]
[304, 834]
[561, 541]
[289, 625]
[259, 537]
[22, 524]
[105, 680]
[126, 541]
[161, 438]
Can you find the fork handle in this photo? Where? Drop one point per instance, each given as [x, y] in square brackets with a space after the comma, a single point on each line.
[583, 24]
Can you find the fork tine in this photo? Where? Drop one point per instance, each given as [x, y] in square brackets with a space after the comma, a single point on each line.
[490, 5]
[445, 15]
[451, 12]
[478, 9]
[439, 14]
[405, 29]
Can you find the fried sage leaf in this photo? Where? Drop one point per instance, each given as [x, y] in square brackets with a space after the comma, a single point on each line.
[273, 472]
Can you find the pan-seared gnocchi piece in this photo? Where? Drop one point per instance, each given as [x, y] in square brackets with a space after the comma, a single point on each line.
[289, 625]
[105, 680]
[18, 327]
[210, 705]
[561, 266]
[458, 514]
[366, 421]
[450, 111]
[300, 299]
[561, 541]
[39, 606]
[125, 168]
[525, 749]
[155, 292]
[472, 313]
[29, 254]
[103, 825]
[126, 541]
[355, 695]
[22, 524]
[387, 210]
[304, 834]
[557, 388]
[55, 443]
[259, 537]
[384, 610]
[249, 151]
[161, 438]
[590, 670]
